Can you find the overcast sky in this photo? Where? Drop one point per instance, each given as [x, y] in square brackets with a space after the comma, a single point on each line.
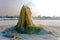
[38, 7]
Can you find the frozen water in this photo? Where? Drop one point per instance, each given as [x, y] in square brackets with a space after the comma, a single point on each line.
[52, 25]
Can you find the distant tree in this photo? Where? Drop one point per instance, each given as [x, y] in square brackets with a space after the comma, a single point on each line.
[39, 16]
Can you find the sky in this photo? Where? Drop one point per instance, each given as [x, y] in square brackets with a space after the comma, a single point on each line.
[38, 7]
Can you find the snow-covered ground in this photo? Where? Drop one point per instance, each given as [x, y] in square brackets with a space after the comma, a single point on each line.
[45, 22]
[52, 25]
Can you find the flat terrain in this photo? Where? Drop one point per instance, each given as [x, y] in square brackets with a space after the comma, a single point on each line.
[50, 25]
